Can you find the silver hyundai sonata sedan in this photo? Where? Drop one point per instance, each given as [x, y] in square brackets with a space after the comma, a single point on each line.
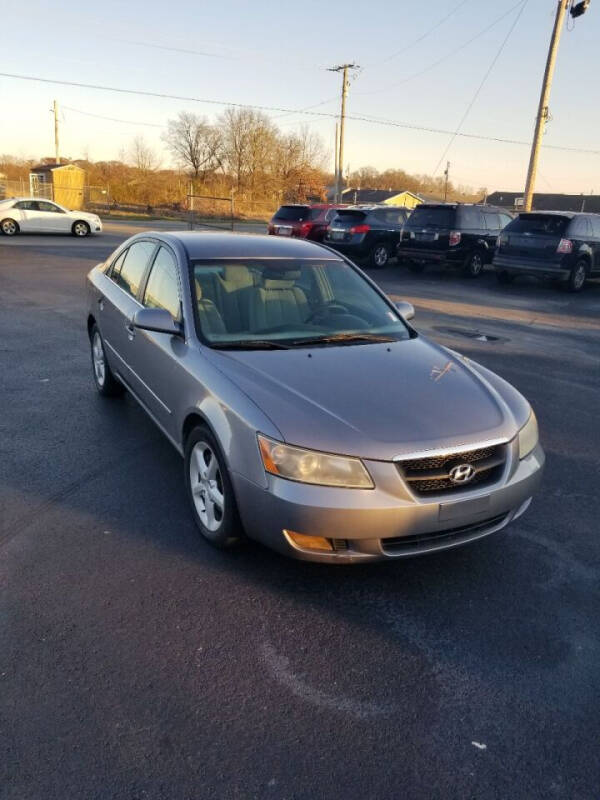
[311, 416]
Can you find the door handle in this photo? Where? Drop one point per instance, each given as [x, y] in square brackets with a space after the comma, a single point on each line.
[101, 303]
[130, 331]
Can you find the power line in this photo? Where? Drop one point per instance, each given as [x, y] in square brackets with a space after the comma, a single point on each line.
[481, 85]
[443, 58]
[113, 119]
[423, 36]
[356, 117]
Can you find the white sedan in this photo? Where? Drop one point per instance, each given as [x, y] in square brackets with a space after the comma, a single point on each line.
[31, 215]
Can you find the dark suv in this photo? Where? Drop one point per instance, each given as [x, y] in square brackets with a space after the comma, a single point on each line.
[304, 221]
[453, 235]
[367, 233]
[550, 244]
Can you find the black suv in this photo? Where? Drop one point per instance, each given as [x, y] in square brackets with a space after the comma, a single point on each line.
[367, 232]
[550, 244]
[453, 235]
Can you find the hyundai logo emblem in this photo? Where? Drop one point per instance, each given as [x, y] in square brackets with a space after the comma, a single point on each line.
[462, 473]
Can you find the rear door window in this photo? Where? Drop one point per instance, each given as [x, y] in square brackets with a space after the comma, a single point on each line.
[432, 217]
[595, 223]
[492, 221]
[471, 219]
[580, 228]
[134, 266]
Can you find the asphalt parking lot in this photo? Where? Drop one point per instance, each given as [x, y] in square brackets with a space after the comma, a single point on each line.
[137, 662]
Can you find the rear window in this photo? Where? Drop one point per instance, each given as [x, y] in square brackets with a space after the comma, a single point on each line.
[350, 217]
[294, 213]
[548, 224]
[431, 218]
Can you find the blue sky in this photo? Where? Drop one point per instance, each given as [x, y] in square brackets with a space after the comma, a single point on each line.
[276, 54]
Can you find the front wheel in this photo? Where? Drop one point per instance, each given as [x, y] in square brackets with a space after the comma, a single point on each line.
[80, 228]
[379, 257]
[9, 227]
[577, 276]
[210, 490]
[474, 264]
[106, 383]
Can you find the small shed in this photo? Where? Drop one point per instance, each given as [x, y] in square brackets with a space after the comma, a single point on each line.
[62, 183]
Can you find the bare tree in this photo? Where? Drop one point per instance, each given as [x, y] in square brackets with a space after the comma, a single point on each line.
[143, 156]
[250, 142]
[195, 145]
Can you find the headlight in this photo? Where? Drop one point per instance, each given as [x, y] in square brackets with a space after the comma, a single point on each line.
[528, 436]
[309, 466]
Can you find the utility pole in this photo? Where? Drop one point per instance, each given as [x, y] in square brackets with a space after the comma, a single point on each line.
[446, 173]
[576, 10]
[56, 147]
[336, 165]
[343, 68]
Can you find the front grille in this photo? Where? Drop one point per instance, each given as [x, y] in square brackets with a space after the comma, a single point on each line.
[432, 473]
[414, 542]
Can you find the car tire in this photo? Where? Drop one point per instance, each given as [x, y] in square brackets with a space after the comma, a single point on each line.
[577, 277]
[80, 228]
[415, 267]
[9, 227]
[210, 490]
[106, 383]
[379, 256]
[504, 277]
[474, 263]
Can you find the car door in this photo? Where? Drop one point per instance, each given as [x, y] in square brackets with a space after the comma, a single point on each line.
[155, 357]
[26, 215]
[118, 305]
[52, 218]
[595, 241]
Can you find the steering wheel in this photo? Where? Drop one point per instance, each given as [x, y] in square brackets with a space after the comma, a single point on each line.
[325, 309]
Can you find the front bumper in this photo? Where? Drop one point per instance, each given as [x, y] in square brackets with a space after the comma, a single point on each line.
[388, 521]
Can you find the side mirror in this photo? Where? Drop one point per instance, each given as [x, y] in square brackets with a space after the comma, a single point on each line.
[406, 310]
[158, 320]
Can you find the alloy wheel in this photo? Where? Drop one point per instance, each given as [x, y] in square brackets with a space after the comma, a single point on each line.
[475, 264]
[9, 227]
[80, 229]
[98, 360]
[207, 486]
[380, 256]
[579, 276]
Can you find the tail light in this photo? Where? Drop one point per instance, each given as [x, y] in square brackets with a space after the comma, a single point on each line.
[360, 229]
[454, 238]
[306, 228]
[565, 246]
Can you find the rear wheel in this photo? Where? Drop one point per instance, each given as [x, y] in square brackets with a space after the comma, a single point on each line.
[577, 276]
[80, 228]
[473, 266]
[379, 256]
[9, 227]
[504, 277]
[210, 491]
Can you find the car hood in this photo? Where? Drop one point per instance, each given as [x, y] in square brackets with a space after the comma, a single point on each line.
[376, 401]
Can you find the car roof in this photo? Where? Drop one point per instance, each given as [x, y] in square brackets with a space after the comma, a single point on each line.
[569, 214]
[214, 245]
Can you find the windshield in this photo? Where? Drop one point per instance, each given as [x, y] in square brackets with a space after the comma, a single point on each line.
[431, 218]
[548, 224]
[276, 303]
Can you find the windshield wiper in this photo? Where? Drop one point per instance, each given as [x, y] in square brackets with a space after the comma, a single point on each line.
[345, 338]
[251, 344]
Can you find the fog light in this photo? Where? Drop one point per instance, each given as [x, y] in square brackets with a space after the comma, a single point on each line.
[305, 542]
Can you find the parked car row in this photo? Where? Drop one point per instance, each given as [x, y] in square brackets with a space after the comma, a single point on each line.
[564, 246]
